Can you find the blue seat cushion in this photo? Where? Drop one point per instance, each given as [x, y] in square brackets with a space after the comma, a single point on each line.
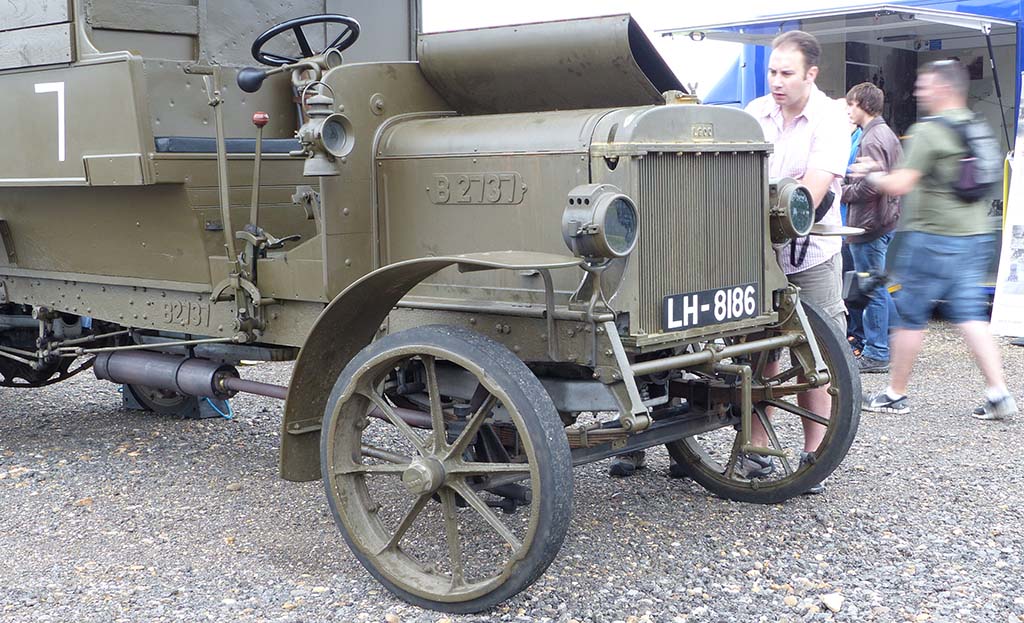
[208, 145]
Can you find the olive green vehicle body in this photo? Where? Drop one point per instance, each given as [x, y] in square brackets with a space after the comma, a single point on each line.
[134, 192]
[95, 214]
[101, 224]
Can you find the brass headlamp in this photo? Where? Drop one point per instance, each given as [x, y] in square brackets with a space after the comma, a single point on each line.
[792, 210]
[600, 222]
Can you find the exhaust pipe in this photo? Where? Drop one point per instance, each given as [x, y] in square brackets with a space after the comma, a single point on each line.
[201, 377]
[186, 375]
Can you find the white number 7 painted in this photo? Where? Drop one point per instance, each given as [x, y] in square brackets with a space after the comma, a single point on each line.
[58, 88]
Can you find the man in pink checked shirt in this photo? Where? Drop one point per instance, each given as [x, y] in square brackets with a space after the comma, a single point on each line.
[812, 145]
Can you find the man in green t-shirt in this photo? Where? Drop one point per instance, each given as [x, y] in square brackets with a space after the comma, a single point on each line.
[945, 243]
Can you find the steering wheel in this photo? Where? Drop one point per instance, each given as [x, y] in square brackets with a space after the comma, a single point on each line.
[343, 41]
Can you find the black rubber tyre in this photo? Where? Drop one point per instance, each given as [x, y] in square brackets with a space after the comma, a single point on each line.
[17, 374]
[707, 470]
[541, 461]
[12, 371]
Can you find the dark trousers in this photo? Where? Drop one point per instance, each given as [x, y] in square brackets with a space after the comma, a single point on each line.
[870, 326]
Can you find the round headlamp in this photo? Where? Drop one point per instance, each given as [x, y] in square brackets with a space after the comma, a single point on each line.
[334, 134]
[600, 222]
[792, 210]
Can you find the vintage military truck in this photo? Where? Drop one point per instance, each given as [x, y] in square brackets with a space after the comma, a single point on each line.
[523, 251]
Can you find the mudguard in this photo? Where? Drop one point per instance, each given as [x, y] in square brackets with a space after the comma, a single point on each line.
[348, 324]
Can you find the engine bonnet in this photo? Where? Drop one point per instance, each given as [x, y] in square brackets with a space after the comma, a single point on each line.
[599, 62]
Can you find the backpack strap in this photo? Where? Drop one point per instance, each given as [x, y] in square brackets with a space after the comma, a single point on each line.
[960, 127]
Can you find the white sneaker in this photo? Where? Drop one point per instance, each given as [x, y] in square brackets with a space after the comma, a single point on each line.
[882, 403]
[999, 410]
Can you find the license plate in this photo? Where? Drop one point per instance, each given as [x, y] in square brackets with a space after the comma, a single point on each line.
[698, 309]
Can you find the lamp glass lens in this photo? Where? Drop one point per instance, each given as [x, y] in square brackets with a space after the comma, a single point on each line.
[333, 135]
[620, 226]
[801, 212]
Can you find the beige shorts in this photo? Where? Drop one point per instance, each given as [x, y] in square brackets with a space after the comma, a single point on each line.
[823, 285]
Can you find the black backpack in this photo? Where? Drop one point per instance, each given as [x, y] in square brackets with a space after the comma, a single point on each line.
[982, 168]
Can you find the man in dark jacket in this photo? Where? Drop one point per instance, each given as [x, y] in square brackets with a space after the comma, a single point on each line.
[877, 214]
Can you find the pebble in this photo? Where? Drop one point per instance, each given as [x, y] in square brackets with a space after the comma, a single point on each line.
[164, 540]
[833, 601]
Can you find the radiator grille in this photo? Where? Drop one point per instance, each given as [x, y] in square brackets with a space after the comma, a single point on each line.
[701, 226]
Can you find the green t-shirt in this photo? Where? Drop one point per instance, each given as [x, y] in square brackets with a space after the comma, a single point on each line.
[935, 150]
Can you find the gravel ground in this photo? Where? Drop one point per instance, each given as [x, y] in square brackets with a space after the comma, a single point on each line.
[110, 515]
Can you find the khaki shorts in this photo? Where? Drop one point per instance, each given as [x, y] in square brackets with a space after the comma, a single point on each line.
[823, 285]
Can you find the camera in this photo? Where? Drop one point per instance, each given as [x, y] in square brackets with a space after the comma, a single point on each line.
[860, 287]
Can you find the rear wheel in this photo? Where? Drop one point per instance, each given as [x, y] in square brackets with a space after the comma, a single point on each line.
[426, 434]
[713, 459]
[15, 372]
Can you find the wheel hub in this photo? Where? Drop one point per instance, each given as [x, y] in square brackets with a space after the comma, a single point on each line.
[423, 476]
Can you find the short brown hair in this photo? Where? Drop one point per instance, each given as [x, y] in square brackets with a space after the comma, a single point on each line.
[805, 42]
[949, 72]
[869, 97]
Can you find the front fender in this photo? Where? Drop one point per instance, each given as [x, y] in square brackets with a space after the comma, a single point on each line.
[348, 324]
